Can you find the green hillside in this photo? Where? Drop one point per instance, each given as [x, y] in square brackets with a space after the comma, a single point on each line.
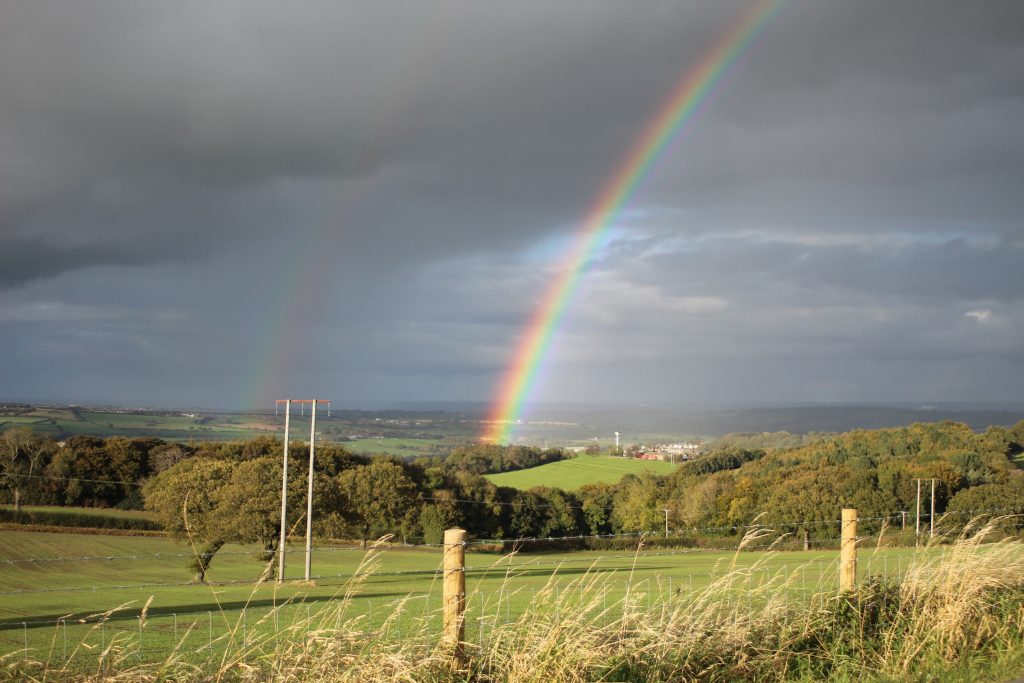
[585, 469]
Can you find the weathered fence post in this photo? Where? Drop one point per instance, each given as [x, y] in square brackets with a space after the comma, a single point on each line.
[454, 599]
[848, 551]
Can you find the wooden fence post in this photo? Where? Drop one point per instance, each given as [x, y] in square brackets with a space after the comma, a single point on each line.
[848, 551]
[454, 588]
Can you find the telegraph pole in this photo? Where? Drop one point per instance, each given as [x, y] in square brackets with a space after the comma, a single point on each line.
[309, 494]
[917, 517]
[309, 487]
[284, 490]
[931, 518]
[666, 522]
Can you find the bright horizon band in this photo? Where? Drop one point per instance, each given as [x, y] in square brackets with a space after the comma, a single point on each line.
[679, 109]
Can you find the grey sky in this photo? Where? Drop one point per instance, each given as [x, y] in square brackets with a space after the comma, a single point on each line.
[219, 204]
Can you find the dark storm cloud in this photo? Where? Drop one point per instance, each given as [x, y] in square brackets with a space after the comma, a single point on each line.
[24, 260]
[851, 191]
[469, 112]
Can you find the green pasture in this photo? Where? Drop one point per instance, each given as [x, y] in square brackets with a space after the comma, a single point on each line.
[97, 423]
[394, 446]
[241, 426]
[571, 474]
[88, 512]
[51, 606]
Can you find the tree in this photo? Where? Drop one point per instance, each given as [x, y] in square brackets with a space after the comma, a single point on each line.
[743, 503]
[248, 506]
[637, 504]
[82, 464]
[544, 512]
[379, 499]
[696, 501]
[990, 500]
[596, 501]
[23, 454]
[166, 456]
[560, 508]
[126, 463]
[184, 498]
[1015, 438]
[809, 499]
[434, 519]
[483, 508]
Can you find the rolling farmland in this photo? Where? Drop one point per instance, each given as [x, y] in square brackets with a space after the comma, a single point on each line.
[366, 432]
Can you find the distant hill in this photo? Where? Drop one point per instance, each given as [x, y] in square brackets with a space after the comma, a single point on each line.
[805, 419]
[569, 475]
[751, 440]
[659, 422]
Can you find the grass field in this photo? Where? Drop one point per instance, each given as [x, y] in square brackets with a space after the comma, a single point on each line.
[571, 474]
[395, 446]
[89, 512]
[67, 422]
[129, 572]
[406, 437]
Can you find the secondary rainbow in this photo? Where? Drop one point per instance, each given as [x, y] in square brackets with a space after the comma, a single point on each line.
[303, 281]
[678, 110]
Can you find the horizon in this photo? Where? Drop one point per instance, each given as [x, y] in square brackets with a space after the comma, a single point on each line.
[559, 407]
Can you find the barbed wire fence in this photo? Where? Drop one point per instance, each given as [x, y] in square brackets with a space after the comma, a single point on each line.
[503, 589]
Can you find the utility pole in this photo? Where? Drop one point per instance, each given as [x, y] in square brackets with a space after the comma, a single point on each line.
[931, 518]
[284, 490]
[903, 520]
[917, 517]
[666, 522]
[309, 487]
[309, 494]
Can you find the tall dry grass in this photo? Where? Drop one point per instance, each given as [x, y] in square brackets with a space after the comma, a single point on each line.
[961, 603]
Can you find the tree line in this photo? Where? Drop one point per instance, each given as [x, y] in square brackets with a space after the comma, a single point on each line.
[230, 492]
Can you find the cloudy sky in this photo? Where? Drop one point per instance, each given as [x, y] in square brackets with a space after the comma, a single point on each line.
[219, 204]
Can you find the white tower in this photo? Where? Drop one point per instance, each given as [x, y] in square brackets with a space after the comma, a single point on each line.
[616, 441]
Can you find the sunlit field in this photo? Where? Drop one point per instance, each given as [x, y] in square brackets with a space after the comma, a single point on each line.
[104, 584]
[571, 474]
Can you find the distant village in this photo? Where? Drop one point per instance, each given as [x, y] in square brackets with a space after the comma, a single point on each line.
[665, 452]
[669, 452]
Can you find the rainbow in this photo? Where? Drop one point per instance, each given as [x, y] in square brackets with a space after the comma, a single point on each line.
[681, 107]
